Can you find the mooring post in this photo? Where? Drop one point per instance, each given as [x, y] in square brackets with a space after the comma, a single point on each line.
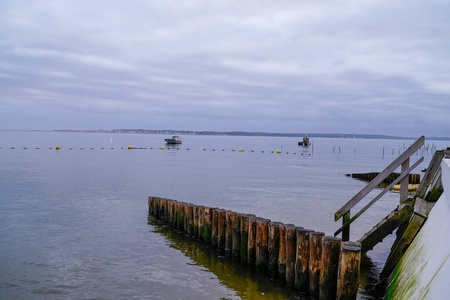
[291, 241]
[229, 231]
[244, 235]
[274, 246]
[331, 250]
[262, 243]
[315, 256]
[201, 222]
[214, 226]
[282, 251]
[190, 219]
[348, 275]
[208, 222]
[251, 240]
[302, 259]
[236, 235]
[221, 227]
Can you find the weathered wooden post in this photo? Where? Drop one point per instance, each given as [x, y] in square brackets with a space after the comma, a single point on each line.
[262, 243]
[156, 207]
[302, 259]
[175, 215]
[229, 231]
[165, 210]
[348, 275]
[195, 216]
[291, 242]
[150, 205]
[190, 219]
[244, 235]
[180, 216]
[331, 249]
[214, 225]
[274, 246]
[201, 222]
[236, 234]
[208, 222]
[221, 227]
[315, 256]
[251, 258]
[170, 211]
[282, 251]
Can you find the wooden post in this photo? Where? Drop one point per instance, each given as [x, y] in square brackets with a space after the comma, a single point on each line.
[262, 243]
[315, 256]
[201, 222]
[282, 251]
[302, 259]
[221, 227]
[274, 246]
[291, 241]
[190, 219]
[331, 249]
[180, 216]
[150, 205]
[346, 231]
[170, 211]
[195, 216]
[156, 206]
[229, 231]
[251, 258]
[348, 275]
[404, 183]
[244, 235]
[175, 214]
[208, 222]
[164, 210]
[236, 235]
[214, 225]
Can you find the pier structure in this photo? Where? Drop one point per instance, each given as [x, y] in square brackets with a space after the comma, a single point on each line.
[308, 260]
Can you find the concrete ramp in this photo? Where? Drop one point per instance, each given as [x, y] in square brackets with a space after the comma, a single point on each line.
[424, 270]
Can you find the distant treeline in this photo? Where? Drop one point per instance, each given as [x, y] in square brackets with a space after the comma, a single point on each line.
[250, 133]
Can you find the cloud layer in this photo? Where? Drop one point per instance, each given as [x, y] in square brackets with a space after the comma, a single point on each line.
[278, 66]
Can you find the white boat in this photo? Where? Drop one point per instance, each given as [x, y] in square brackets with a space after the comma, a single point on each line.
[174, 140]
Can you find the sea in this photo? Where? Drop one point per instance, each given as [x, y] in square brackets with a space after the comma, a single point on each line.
[74, 221]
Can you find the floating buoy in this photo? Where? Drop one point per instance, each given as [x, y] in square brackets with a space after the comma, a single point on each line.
[162, 148]
[240, 150]
[129, 147]
[57, 147]
[278, 151]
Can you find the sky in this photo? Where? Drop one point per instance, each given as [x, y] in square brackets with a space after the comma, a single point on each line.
[312, 66]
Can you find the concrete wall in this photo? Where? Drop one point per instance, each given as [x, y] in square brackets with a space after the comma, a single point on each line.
[424, 270]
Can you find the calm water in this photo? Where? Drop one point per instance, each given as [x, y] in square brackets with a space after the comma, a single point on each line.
[74, 223]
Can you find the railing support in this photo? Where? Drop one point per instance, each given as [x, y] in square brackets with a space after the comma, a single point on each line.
[346, 231]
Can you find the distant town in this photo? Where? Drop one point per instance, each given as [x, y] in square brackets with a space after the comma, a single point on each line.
[247, 133]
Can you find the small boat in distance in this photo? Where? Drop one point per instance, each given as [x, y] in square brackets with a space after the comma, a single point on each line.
[305, 141]
[174, 140]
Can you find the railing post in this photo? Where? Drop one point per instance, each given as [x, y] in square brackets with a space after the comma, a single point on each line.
[404, 183]
[346, 231]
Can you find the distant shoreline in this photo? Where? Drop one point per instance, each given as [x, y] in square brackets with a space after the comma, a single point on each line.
[238, 133]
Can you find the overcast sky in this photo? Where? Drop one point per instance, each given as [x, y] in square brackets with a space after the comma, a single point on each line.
[376, 67]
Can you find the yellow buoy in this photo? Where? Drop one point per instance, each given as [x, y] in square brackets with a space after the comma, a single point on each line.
[278, 151]
[162, 148]
[240, 150]
[57, 147]
[129, 147]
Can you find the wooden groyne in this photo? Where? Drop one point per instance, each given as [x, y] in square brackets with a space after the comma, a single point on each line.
[412, 178]
[306, 259]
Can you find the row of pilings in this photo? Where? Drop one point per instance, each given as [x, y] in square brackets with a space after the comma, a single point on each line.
[309, 260]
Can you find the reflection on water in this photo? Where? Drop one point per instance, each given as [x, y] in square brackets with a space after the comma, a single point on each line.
[247, 281]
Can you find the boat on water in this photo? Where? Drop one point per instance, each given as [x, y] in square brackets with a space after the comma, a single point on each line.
[305, 141]
[174, 140]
